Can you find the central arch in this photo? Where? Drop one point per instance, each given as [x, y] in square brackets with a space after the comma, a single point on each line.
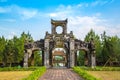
[59, 57]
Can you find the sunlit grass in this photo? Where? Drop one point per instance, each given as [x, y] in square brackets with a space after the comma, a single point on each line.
[14, 75]
[106, 75]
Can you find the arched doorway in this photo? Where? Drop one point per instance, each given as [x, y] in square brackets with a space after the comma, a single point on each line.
[59, 57]
[81, 58]
[36, 58]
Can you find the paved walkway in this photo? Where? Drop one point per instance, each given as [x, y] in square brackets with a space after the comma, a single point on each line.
[60, 74]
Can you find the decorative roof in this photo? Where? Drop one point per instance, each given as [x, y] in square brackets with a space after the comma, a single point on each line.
[58, 21]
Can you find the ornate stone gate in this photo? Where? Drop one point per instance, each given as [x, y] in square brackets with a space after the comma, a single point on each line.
[63, 40]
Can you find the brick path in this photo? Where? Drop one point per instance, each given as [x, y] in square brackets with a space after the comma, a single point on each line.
[60, 74]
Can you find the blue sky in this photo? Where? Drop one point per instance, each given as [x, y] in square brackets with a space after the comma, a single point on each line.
[34, 16]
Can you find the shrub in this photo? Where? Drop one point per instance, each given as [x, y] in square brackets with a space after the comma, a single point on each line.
[36, 74]
[101, 68]
[84, 74]
[18, 69]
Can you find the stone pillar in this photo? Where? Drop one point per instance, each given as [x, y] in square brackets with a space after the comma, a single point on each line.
[72, 54]
[53, 29]
[46, 53]
[25, 64]
[93, 60]
[64, 28]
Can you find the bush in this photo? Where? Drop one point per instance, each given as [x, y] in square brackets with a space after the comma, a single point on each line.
[101, 68]
[84, 74]
[36, 74]
[18, 69]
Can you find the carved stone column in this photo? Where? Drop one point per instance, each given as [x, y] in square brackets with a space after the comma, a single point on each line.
[92, 53]
[46, 53]
[93, 59]
[25, 64]
[72, 54]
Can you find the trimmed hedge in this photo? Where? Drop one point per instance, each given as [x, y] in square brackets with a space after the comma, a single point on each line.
[84, 74]
[101, 68]
[18, 69]
[36, 74]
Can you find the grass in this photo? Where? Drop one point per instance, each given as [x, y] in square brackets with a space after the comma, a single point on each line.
[36, 74]
[102, 73]
[14, 75]
[106, 75]
[83, 73]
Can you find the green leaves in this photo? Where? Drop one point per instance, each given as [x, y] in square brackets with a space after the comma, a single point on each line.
[110, 51]
[2, 48]
[38, 58]
[12, 51]
[107, 48]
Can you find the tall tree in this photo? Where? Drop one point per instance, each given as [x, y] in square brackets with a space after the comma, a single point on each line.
[18, 49]
[10, 52]
[2, 49]
[98, 47]
[110, 49]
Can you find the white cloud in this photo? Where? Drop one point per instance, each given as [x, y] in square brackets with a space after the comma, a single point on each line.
[8, 20]
[95, 3]
[82, 5]
[20, 12]
[4, 9]
[81, 25]
[27, 14]
[61, 12]
[99, 2]
[11, 35]
[8, 33]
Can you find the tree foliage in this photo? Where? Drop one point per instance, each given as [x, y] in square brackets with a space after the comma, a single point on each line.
[107, 48]
[110, 51]
[2, 48]
[97, 41]
[12, 51]
[38, 58]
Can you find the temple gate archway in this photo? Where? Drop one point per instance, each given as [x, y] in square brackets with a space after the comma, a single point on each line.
[61, 40]
[59, 57]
